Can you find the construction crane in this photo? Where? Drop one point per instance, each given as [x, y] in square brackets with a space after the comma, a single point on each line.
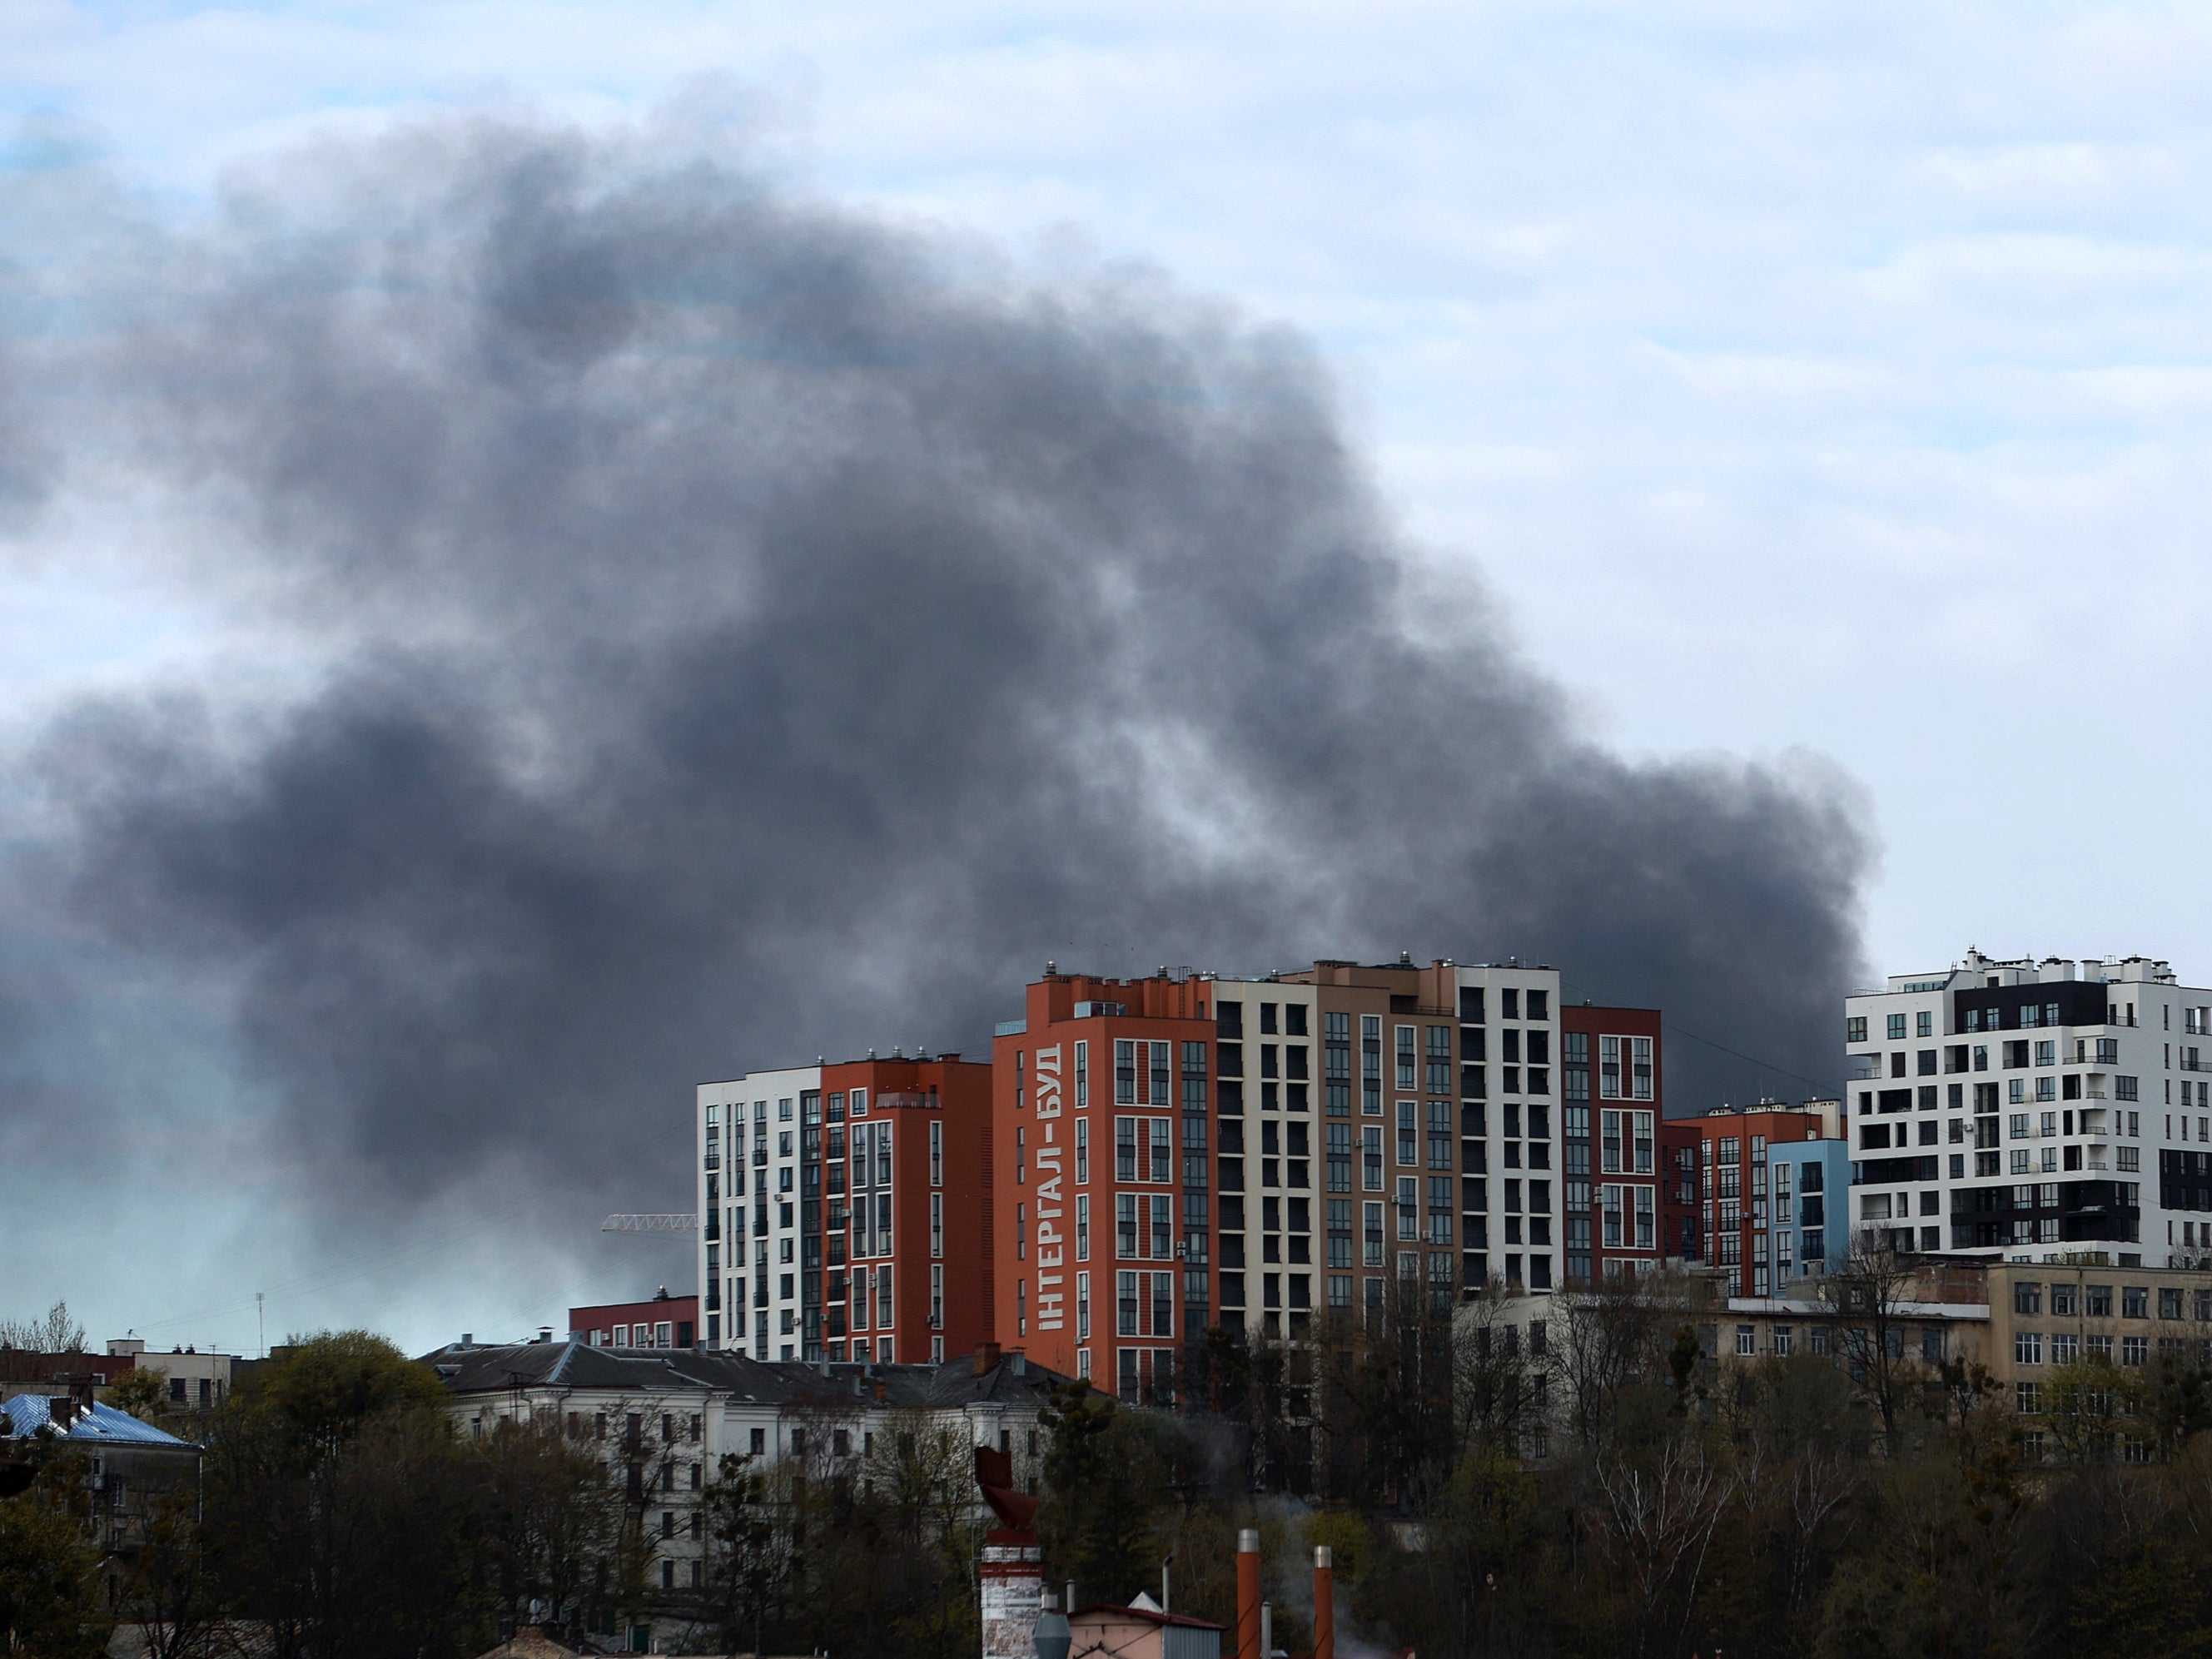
[650, 1224]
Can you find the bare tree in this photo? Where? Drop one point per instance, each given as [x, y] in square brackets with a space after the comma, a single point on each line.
[1612, 1334]
[53, 1333]
[1500, 1385]
[1867, 1300]
[1661, 1507]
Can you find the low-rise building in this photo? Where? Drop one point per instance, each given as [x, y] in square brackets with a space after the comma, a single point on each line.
[662, 1421]
[661, 1322]
[129, 1464]
[196, 1380]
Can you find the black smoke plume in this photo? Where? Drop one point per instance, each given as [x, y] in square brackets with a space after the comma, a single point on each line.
[744, 629]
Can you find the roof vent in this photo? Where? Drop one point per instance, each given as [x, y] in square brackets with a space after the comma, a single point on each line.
[1051, 969]
[1405, 958]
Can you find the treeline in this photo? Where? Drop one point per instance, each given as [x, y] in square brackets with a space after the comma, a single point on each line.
[335, 1514]
[1856, 1502]
[1599, 1485]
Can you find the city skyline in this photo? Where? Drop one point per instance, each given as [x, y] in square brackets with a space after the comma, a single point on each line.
[1717, 421]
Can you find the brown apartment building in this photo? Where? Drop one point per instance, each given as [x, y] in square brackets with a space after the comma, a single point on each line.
[1185, 1151]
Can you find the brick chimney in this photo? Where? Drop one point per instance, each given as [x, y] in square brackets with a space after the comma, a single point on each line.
[987, 1358]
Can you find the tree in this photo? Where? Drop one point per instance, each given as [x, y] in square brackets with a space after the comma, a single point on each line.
[1105, 1483]
[171, 1592]
[1867, 1300]
[324, 1386]
[54, 1333]
[550, 1514]
[1612, 1335]
[50, 1606]
[342, 1515]
[1660, 1509]
[140, 1392]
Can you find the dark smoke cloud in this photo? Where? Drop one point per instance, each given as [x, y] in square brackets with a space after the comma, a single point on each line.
[752, 630]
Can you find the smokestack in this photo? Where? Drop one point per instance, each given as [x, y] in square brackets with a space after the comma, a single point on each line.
[1324, 1614]
[1248, 1593]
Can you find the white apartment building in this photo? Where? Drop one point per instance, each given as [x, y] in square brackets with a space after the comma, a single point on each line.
[760, 1189]
[662, 1422]
[2031, 1108]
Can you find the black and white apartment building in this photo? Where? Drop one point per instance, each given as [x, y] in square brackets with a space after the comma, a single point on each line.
[2033, 1108]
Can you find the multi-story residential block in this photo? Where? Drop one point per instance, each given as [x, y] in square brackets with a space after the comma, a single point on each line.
[2019, 1106]
[845, 1211]
[1103, 1177]
[1182, 1150]
[1749, 1191]
[1610, 1105]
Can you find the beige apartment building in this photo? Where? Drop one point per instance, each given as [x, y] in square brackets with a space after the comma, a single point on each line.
[2025, 1322]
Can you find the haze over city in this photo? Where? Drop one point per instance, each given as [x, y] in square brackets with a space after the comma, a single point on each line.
[554, 554]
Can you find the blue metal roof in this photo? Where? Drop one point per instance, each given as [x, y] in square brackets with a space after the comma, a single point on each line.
[27, 1413]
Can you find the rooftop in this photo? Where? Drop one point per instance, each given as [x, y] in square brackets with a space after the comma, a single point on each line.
[506, 1368]
[28, 1414]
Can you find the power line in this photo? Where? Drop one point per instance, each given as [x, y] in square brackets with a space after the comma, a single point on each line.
[1678, 1029]
[310, 1284]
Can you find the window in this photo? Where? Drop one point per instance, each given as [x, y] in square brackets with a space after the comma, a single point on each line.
[1125, 1284]
[1897, 1028]
[1608, 1068]
[2028, 1348]
[1405, 1056]
[1855, 1028]
[2135, 1302]
[2027, 1298]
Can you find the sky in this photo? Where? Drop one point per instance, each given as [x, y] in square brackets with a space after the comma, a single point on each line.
[1826, 389]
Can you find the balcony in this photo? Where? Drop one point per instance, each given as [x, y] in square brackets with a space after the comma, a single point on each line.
[713, 1161]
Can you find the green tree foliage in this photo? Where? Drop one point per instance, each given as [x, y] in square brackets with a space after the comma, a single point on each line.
[141, 1392]
[51, 1602]
[1107, 1474]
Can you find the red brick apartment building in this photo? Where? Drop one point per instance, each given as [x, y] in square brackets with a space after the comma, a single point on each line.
[845, 1211]
[1102, 1166]
[1612, 1103]
[1726, 1206]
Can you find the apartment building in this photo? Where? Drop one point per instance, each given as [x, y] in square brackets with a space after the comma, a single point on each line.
[2020, 1105]
[2046, 1315]
[1301, 1141]
[1103, 1143]
[1749, 1191]
[1610, 1106]
[661, 1422]
[2027, 1322]
[845, 1211]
